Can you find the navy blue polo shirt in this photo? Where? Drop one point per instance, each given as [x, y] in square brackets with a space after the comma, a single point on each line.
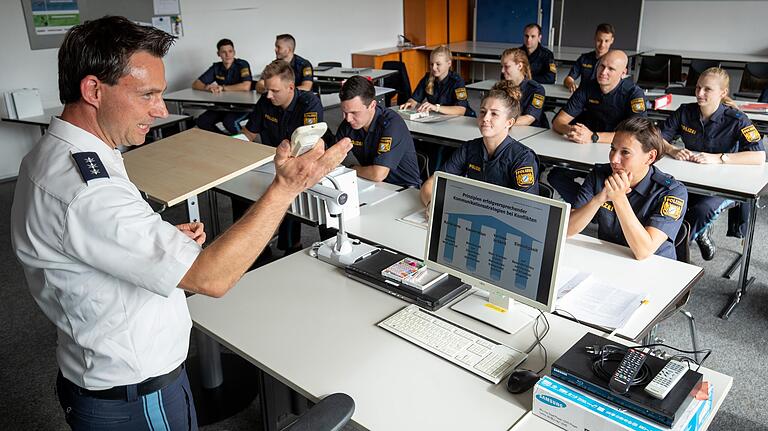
[302, 69]
[386, 143]
[239, 71]
[603, 112]
[451, 91]
[658, 200]
[513, 165]
[532, 102]
[727, 131]
[585, 67]
[543, 68]
[274, 123]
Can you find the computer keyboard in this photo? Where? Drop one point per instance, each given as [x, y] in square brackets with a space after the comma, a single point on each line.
[482, 356]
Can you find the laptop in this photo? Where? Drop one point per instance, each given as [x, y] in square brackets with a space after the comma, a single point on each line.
[368, 271]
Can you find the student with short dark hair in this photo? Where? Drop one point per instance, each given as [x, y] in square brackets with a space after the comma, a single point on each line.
[304, 74]
[542, 61]
[229, 74]
[586, 65]
[635, 203]
[381, 141]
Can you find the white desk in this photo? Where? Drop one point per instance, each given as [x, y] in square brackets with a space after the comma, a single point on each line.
[556, 92]
[332, 100]
[707, 55]
[475, 50]
[663, 280]
[230, 100]
[679, 99]
[455, 131]
[743, 183]
[314, 330]
[340, 73]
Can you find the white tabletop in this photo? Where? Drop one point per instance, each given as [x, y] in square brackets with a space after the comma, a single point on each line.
[707, 55]
[662, 280]
[345, 72]
[556, 91]
[679, 99]
[332, 100]
[45, 119]
[727, 180]
[494, 49]
[462, 129]
[190, 95]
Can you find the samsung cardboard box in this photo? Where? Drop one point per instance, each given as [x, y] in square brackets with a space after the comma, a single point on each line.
[574, 410]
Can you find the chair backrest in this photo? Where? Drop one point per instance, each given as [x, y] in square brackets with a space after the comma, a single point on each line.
[330, 414]
[545, 190]
[423, 162]
[754, 79]
[330, 63]
[685, 91]
[695, 70]
[675, 67]
[683, 243]
[763, 96]
[398, 81]
[654, 72]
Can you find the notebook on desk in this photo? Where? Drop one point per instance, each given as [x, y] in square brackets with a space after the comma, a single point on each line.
[368, 271]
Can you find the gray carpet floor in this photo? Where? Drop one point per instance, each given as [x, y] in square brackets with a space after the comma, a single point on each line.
[28, 367]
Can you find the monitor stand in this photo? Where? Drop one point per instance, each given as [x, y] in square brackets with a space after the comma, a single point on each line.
[499, 311]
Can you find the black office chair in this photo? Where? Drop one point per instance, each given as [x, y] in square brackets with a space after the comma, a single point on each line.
[754, 80]
[327, 87]
[330, 414]
[696, 68]
[545, 190]
[675, 67]
[684, 91]
[329, 64]
[398, 81]
[763, 97]
[423, 162]
[654, 72]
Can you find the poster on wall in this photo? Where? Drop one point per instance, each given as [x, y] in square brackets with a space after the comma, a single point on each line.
[54, 16]
[169, 24]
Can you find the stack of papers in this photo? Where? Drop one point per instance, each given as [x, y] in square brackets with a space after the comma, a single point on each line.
[418, 219]
[590, 301]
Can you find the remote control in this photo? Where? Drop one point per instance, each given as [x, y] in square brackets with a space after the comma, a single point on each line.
[627, 371]
[666, 379]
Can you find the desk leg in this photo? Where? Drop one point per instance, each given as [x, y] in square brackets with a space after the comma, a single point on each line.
[193, 210]
[210, 361]
[744, 280]
[213, 200]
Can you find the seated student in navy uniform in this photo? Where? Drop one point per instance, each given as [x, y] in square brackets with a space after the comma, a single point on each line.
[304, 74]
[542, 61]
[495, 157]
[381, 142]
[713, 131]
[277, 114]
[229, 74]
[635, 203]
[586, 65]
[515, 69]
[440, 90]
[594, 111]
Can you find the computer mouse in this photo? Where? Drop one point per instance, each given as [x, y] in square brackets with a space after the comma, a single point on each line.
[521, 380]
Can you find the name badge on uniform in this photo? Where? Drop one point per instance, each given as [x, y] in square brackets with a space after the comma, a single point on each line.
[220, 78]
[586, 65]
[594, 101]
[552, 68]
[524, 176]
[687, 129]
[245, 72]
[637, 105]
[750, 133]
[357, 143]
[270, 118]
[672, 206]
[474, 167]
[461, 93]
[385, 144]
[307, 71]
[607, 205]
[310, 118]
[538, 101]
[90, 165]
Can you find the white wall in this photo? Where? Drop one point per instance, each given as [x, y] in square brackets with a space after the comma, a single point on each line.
[325, 31]
[712, 25]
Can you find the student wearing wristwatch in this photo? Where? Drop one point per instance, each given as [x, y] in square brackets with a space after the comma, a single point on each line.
[593, 112]
[713, 131]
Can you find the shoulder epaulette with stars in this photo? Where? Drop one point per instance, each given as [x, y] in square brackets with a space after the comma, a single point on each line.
[90, 165]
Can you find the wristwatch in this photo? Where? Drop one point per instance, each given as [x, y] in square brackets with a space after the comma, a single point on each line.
[724, 158]
[437, 108]
[595, 137]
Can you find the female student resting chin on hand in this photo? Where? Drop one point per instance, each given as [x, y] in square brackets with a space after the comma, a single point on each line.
[635, 203]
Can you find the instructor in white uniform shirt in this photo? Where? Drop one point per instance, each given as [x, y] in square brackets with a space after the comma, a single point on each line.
[103, 267]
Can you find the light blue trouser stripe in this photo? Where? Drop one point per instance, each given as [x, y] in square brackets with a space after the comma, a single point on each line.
[154, 412]
[723, 206]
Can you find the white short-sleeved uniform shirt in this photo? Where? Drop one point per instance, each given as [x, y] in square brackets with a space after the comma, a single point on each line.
[102, 265]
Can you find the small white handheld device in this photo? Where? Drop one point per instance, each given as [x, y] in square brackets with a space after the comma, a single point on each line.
[305, 137]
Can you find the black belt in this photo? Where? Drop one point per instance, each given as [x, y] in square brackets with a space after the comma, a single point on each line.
[148, 386]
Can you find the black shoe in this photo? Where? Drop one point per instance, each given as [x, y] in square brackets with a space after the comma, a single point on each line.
[706, 245]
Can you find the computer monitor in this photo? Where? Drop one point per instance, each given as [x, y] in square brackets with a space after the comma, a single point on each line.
[501, 241]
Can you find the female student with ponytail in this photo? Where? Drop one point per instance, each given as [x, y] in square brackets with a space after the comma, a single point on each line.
[713, 131]
[495, 157]
[515, 69]
[441, 90]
